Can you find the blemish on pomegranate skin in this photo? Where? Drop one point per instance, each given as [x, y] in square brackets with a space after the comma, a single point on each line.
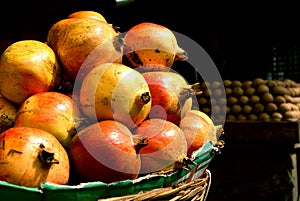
[157, 51]
[13, 151]
[135, 58]
[42, 146]
[105, 101]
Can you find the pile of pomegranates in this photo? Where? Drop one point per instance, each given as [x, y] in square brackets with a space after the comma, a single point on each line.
[92, 104]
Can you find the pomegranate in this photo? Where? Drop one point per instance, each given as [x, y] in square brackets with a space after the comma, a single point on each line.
[28, 67]
[90, 14]
[106, 151]
[30, 156]
[8, 113]
[51, 111]
[171, 95]
[117, 92]
[199, 128]
[167, 146]
[56, 32]
[76, 38]
[151, 47]
[87, 14]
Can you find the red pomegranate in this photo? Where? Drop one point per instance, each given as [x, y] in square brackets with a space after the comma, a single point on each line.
[167, 146]
[29, 156]
[106, 151]
[171, 95]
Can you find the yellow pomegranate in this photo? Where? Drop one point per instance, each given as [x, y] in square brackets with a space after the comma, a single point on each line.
[151, 47]
[28, 67]
[115, 91]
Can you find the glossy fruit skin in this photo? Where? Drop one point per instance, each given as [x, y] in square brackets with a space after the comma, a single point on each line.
[82, 43]
[195, 129]
[151, 47]
[51, 111]
[117, 92]
[20, 152]
[198, 128]
[87, 14]
[28, 67]
[104, 152]
[56, 32]
[167, 145]
[171, 95]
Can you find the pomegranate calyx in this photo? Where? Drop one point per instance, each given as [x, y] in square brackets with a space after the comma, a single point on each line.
[219, 130]
[46, 156]
[116, 28]
[220, 144]
[144, 98]
[181, 55]
[192, 90]
[118, 42]
[139, 142]
[196, 88]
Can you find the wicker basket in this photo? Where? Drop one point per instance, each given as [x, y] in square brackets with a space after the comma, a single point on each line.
[195, 190]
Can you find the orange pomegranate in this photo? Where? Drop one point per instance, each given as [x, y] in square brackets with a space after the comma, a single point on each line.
[82, 43]
[52, 111]
[30, 156]
[56, 33]
[199, 128]
[87, 14]
[167, 146]
[151, 46]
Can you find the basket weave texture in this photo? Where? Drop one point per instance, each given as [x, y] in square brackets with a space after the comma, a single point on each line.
[195, 190]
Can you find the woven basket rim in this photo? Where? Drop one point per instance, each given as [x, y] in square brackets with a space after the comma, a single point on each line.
[196, 190]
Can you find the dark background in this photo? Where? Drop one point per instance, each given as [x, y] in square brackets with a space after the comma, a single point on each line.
[238, 37]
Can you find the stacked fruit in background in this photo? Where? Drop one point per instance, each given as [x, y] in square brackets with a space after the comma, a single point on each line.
[92, 104]
[252, 100]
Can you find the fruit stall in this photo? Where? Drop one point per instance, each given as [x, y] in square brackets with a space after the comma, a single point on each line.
[261, 157]
[126, 100]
